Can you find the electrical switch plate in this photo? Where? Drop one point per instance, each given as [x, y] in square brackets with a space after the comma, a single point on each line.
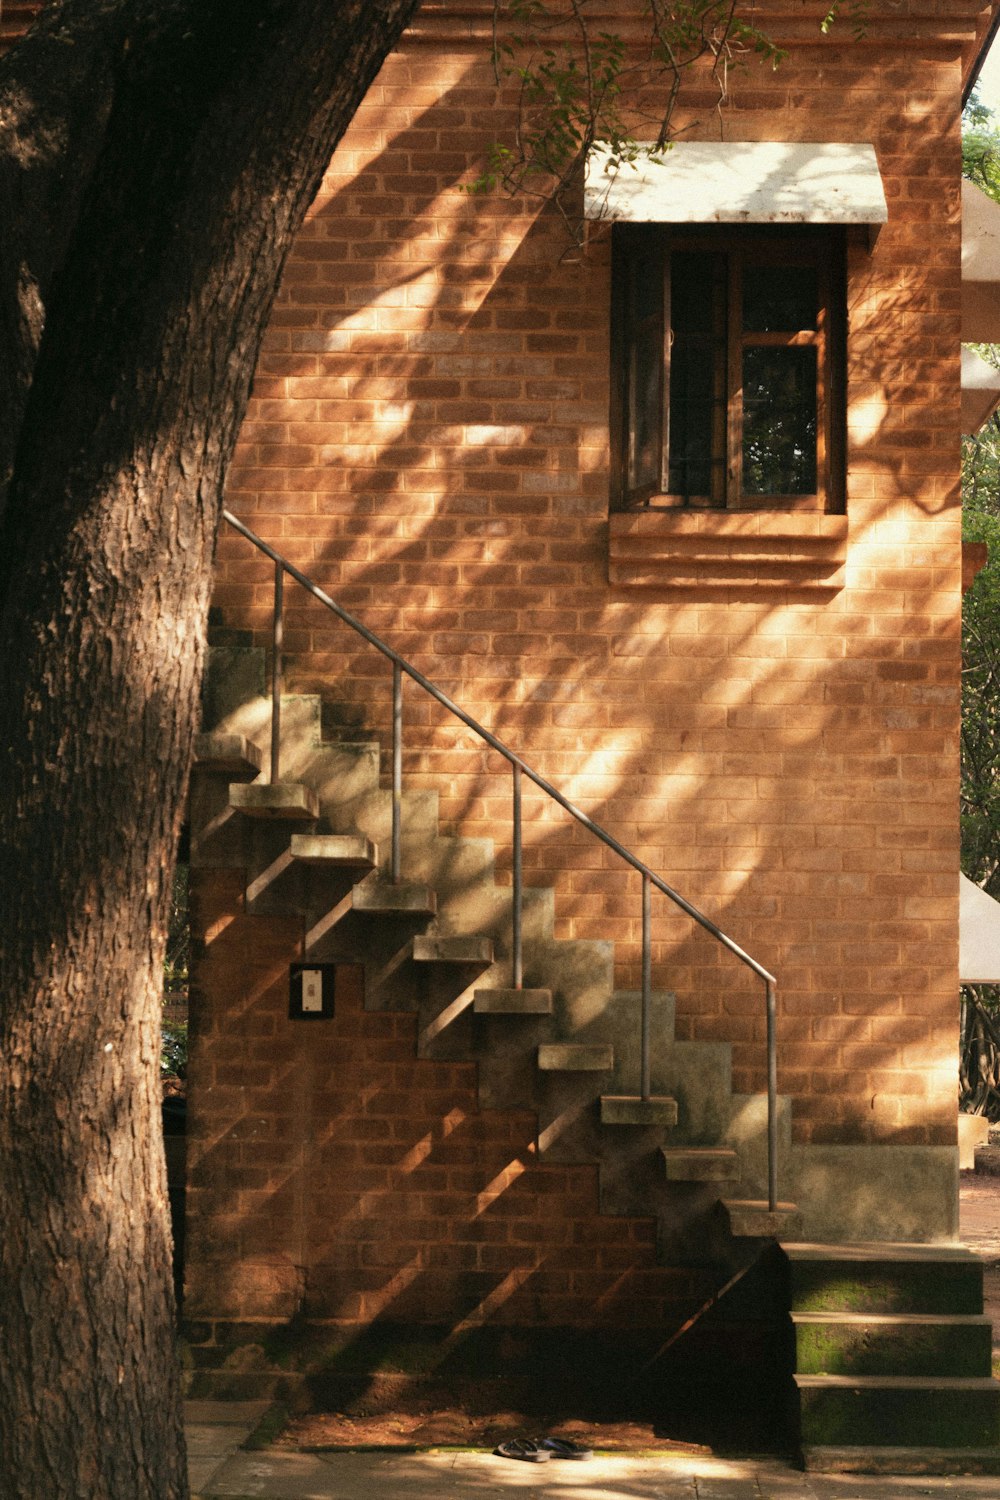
[311, 990]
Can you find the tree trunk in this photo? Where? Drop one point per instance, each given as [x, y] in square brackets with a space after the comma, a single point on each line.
[182, 147]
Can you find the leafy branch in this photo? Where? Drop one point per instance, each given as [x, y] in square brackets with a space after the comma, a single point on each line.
[573, 80]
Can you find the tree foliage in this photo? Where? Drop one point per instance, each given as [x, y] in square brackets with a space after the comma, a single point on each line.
[579, 84]
[979, 1082]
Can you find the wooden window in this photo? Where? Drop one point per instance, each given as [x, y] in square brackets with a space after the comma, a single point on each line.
[727, 368]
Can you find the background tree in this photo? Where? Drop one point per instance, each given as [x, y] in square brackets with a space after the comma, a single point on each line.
[979, 1081]
[156, 159]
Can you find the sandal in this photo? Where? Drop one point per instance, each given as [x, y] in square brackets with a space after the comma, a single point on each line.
[523, 1448]
[565, 1448]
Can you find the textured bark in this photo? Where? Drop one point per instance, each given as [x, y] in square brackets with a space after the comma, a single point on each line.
[155, 161]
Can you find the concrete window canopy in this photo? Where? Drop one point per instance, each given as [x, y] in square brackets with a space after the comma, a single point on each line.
[735, 182]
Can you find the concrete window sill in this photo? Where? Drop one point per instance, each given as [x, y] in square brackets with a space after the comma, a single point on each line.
[727, 549]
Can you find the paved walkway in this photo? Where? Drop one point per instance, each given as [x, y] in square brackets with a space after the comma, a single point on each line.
[221, 1470]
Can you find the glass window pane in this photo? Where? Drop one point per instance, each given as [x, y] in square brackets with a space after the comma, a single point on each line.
[692, 383]
[779, 421]
[692, 282]
[697, 355]
[779, 299]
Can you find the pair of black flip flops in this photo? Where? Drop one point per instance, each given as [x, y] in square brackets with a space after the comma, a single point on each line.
[540, 1450]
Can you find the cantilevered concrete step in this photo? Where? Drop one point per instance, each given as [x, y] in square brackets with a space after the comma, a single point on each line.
[631, 1109]
[232, 755]
[377, 896]
[751, 1218]
[512, 1002]
[286, 801]
[700, 1164]
[884, 1278]
[452, 950]
[899, 1411]
[338, 851]
[575, 1057]
[919, 1344]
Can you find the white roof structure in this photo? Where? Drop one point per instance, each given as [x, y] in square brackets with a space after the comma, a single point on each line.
[980, 267]
[980, 391]
[978, 935]
[740, 182]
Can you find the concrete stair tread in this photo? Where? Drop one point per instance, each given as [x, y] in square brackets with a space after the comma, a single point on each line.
[700, 1164]
[231, 754]
[830, 1458]
[381, 896]
[576, 1057]
[875, 1250]
[452, 950]
[752, 1218]
[632, 1109]
[512, 1002]
[349, 851]
[899, 1382]
[286, 801]
[891, 1320]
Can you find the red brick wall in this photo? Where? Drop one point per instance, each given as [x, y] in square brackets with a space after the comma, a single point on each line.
[333, 1174]
[429, 439]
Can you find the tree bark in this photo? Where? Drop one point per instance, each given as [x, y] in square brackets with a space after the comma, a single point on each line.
[156, 158]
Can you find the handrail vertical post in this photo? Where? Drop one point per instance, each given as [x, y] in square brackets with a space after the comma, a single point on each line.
[397, 769]
[647, 988]
[277, 670]
[518, 893]
[772, 1097]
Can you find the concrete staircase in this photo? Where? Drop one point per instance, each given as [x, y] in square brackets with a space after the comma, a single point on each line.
[892, 1354]
[892, 1359]
[565, 1045]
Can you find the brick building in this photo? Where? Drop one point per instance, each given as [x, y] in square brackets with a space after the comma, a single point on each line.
[675, 516]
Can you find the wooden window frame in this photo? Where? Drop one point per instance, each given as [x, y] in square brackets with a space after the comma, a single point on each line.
[645, 250]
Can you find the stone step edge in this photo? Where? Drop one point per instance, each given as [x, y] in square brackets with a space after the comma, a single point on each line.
[575, 1057]
[344, 850]
[632, 1109]
[229, 754]
[429, 949]
[279, 800]
[878, 1251]
[381, 897]
[891, 1320]
[701, 1164]
[511, 1002]
[970, 1383]
[752, 1218]
[830, 1459]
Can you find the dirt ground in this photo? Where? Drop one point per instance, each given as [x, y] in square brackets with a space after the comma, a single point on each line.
[454, 1428]
[450, 1426]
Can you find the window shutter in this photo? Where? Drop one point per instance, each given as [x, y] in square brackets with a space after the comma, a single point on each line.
[637, 365]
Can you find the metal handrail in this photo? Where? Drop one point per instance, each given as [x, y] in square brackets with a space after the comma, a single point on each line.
[520, 768]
